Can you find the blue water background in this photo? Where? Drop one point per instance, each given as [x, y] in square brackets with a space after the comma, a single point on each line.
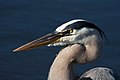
[24, 20]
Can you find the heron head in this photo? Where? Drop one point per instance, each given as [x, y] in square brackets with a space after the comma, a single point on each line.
[74, 31]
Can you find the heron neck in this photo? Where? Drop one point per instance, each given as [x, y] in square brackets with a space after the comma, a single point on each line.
[61, 68]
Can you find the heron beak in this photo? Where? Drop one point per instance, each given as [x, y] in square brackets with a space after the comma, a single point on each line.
[45, 40]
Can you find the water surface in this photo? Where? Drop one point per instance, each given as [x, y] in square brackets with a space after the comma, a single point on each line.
[24, 20]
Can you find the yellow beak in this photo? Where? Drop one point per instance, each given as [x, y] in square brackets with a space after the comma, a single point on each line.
[45, 40]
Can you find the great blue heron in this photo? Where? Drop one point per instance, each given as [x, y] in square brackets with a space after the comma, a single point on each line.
[83, 41]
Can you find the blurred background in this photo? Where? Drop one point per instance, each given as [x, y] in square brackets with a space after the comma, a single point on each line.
[24, 20]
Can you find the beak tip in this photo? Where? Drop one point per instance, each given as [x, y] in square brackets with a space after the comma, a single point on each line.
[15, 50]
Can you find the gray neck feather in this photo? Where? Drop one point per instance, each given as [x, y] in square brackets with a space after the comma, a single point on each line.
[61, 68]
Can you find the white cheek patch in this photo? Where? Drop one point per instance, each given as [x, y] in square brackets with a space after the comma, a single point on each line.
[58, 44]
[62, 27]
[67, 39]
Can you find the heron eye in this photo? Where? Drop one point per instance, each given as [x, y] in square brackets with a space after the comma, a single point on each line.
[71, 30]
[68, 31]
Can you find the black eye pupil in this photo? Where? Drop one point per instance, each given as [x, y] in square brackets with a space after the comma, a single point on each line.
[69, 31]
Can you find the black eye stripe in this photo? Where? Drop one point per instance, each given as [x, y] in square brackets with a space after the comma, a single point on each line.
[81, 24]
[67, 31]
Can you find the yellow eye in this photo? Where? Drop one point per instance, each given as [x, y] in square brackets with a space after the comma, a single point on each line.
[71, 30]
[68, 31]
